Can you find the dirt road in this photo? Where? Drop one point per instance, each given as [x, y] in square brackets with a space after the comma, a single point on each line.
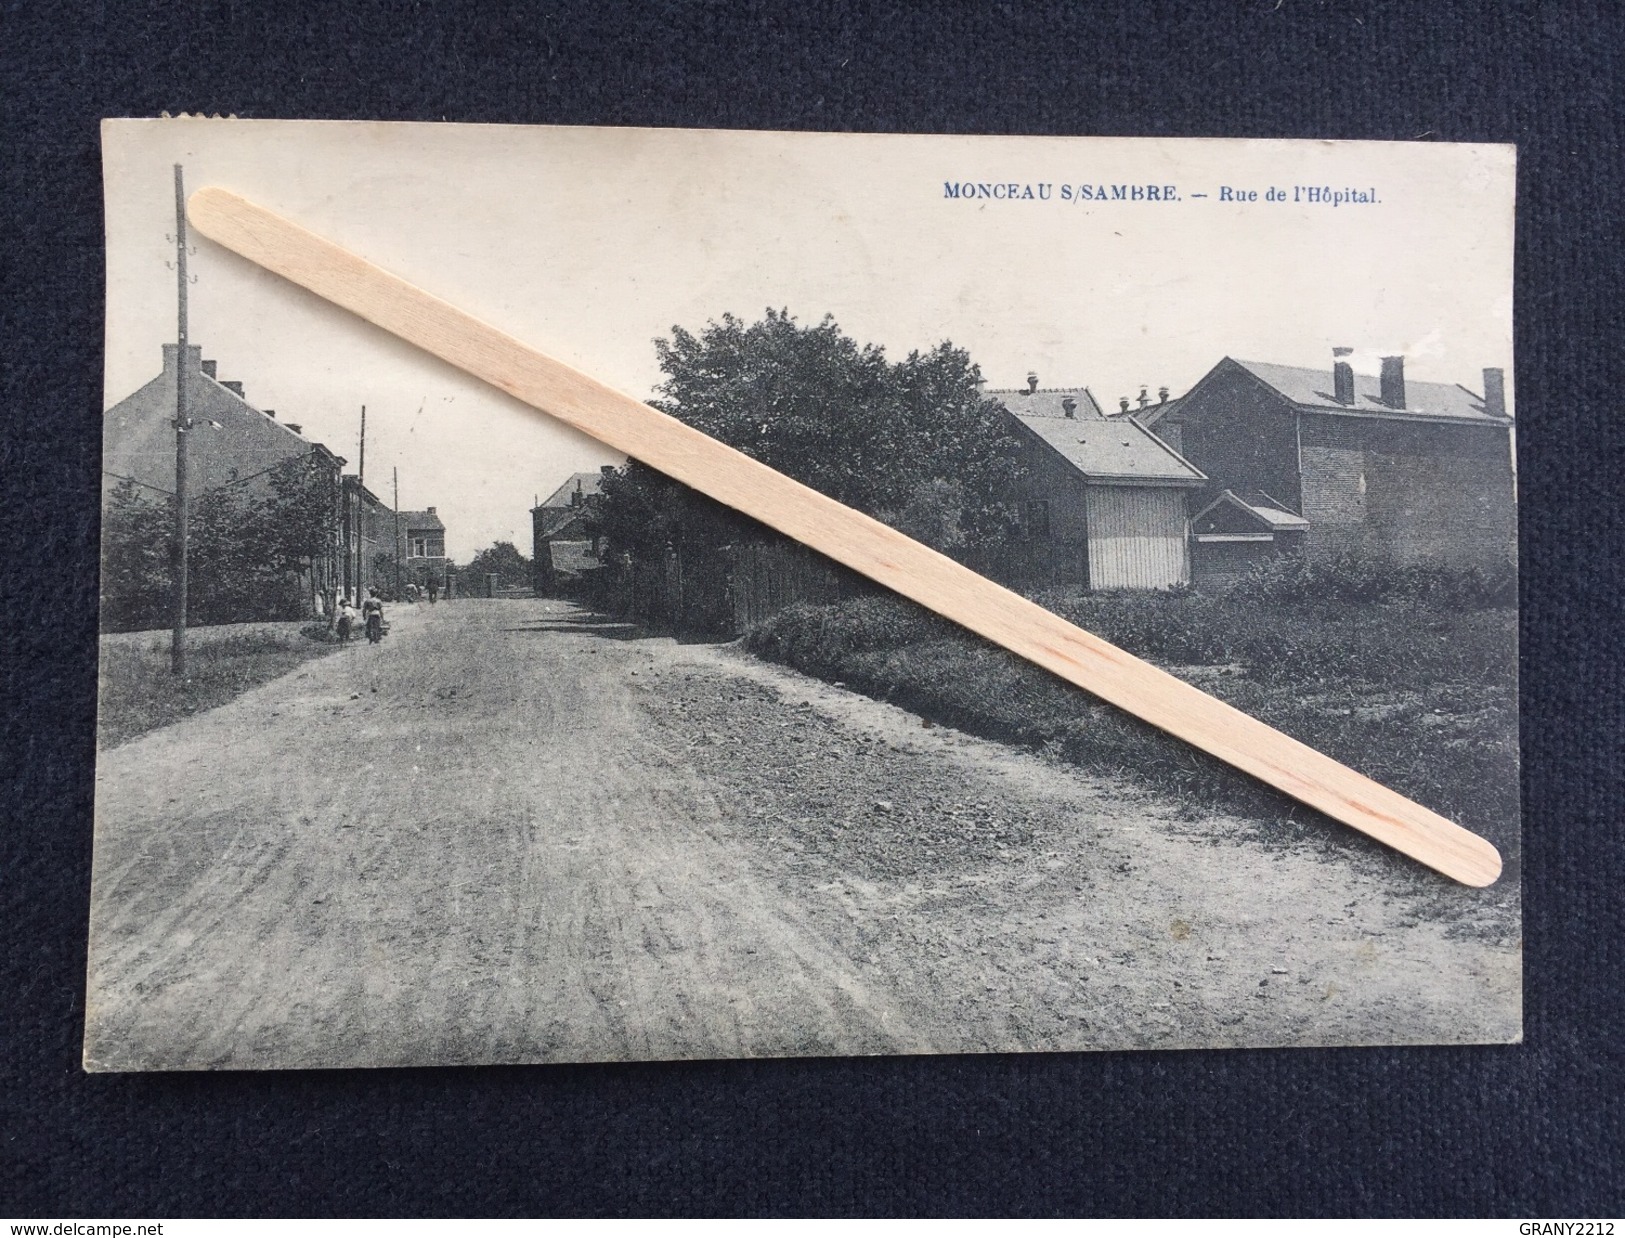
[516, 833]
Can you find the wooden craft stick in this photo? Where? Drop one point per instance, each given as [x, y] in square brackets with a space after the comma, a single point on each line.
[847, 536]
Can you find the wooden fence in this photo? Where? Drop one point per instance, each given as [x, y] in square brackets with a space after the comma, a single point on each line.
[769, 576]
[719, 592]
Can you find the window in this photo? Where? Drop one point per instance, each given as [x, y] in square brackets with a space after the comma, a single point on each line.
[420, 548]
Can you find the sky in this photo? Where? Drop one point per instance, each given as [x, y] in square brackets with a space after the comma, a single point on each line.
[589, 243]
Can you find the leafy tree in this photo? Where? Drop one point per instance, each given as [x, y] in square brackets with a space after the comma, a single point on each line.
[250, 540]
[247, 543]
[382, 577]
[512, 568]
[137, 533]
[912, 443]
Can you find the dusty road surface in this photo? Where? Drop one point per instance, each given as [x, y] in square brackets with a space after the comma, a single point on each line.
[516, 832]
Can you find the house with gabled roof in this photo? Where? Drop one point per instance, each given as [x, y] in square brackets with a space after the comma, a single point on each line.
[1407, 472]
[423, 547]
[564, 541]
[234, 451]
[1102, 501]
[232, 443]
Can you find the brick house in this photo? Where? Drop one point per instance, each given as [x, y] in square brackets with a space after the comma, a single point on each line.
[232, 443]
[232, 448]
[1412, 473]
[563, 542]
[422, 547]
[375, 538]
[1104, 501]
[367, 540]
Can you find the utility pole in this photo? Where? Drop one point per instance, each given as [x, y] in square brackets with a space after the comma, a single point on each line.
[398, 547]
[183, 426]
[360, 485]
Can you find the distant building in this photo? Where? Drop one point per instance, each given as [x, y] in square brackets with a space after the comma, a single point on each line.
[232, 448]
[1410, 472]
[564, 541]
[423, 547]
[375, 539]
[1104, 503]
[368, 541]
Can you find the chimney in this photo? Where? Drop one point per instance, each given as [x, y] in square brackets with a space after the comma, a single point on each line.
[1162, 395]
[1393, 382]
[295, 428]
[233, 386]
[1032, 382]
[194, 350]
[1342, 376]
[1144, 399]
[1069, 406]
[209, 367]
[1123, 404]
[1495, 392]
[606, 469]
[430, 511]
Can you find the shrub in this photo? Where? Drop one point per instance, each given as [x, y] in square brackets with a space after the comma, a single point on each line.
[1414, 694]
[1349, 577]
[824, 637]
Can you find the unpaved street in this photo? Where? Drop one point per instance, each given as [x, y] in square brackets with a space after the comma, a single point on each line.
[517, 833]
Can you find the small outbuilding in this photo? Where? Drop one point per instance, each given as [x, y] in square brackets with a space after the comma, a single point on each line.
[1236, 531]
[1103, 502]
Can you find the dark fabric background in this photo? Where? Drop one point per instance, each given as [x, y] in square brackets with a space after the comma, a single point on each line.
[1529, 1130]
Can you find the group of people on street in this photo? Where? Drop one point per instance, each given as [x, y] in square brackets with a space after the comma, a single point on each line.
[370, 616]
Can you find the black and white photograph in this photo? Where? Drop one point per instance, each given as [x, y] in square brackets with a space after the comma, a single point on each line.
[433, 732]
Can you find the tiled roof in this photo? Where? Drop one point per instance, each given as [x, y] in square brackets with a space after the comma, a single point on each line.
[1119, 449]
[416, 522]
[1312, 389]
[587, 483]
[232, 441]
[1260, 506]
[1046, 401]
[565, 522]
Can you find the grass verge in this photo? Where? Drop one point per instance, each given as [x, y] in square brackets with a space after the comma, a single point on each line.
[1416, 694]
[139, 694]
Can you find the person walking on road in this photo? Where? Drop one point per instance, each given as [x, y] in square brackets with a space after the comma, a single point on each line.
[345, 620]
[373, 610]
[434, 590]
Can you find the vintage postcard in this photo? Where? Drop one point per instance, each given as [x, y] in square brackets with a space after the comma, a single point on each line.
[433, 732]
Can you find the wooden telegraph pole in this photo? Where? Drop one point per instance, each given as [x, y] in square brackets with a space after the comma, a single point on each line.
[396, 473]
[360, 504]
[183, 425]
